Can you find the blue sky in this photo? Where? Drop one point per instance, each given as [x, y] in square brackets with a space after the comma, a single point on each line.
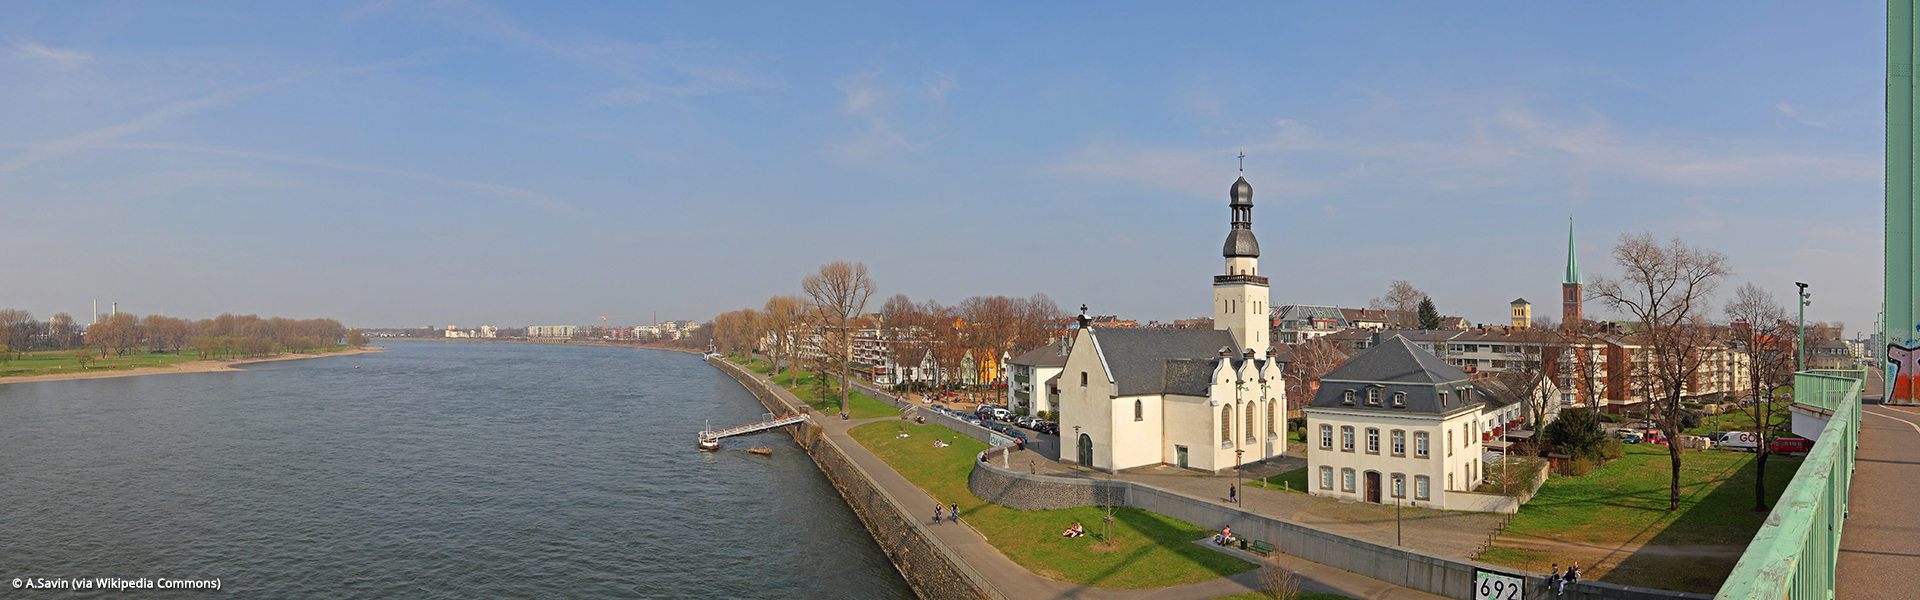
[463, 163]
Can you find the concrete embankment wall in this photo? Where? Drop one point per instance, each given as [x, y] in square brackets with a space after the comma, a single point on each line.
[930, 568]
[1449, 577]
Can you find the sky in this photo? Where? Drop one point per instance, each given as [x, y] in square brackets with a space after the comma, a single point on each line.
[400, 164]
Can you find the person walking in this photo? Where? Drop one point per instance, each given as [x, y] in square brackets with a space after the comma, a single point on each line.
[1232, 494]
[954, 515]
[936, 511]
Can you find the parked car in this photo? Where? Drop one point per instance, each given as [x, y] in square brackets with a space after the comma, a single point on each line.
[940, 407]
[1631, 437]
[1787, 445]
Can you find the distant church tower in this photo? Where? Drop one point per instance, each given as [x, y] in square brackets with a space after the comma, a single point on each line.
[1240, 296]
[1572, 311]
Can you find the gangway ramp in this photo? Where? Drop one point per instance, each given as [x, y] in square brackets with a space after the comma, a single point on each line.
[715, 435]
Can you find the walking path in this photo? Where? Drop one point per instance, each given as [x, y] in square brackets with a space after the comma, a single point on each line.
[1881, 543]
[1014, 581]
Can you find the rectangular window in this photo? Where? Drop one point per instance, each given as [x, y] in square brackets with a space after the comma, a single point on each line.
[1449, 443]
[1420, 487]
[1399, 443]
[1083, 379]
[1326, 478]
[1420, 444]
[1346, 480]
[1399, 399]
[1373, 441]
[1326, 437]
[1347, 397]
[1373, 396]
[1399, 485]
[1346, 438]
[1443, 398]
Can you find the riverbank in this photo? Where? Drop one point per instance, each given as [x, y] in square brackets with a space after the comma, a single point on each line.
[196, 366]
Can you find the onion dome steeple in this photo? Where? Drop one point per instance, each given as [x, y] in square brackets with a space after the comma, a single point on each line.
[1240, 241]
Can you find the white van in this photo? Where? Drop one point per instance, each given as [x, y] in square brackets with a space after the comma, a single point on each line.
[1744, 441]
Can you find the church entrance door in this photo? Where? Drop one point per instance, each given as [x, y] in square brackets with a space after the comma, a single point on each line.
[1373, 487]
[1180, 453]
[1086, 450]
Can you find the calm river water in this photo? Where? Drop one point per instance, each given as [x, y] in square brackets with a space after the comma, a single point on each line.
[432, 470]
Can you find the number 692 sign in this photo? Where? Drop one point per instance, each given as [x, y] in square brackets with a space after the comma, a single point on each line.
[1494, 585]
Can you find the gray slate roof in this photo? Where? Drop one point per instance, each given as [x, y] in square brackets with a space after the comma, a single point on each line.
[1138, 357]
[1044, 356]
[1397, 366]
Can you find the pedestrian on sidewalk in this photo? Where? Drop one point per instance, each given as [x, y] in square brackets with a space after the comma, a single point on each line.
[936, 511]
[1232, 494]
[955, 515]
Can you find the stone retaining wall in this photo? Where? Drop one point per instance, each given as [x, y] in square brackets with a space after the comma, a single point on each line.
[929, 567]
[1444, 576]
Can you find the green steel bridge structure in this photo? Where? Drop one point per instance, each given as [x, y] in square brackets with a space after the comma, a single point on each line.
[1797, 552]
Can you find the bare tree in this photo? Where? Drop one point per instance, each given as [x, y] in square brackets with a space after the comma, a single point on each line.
[1400, 304]
[63, 330]
[1760, 329]
[16, 330]
[784, 316]
[1307, 363]
[1667, 289]
[840, 291]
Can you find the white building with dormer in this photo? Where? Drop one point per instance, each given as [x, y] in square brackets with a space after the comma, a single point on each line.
[1193, 398]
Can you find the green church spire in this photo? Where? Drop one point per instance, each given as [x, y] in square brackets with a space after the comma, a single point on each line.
[1573, 266]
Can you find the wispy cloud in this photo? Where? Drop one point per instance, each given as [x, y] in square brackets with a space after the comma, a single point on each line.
[59, 58]
[1796, 113]
[44, 151]
[529, 197]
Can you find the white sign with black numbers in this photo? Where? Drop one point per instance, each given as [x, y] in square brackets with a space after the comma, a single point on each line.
[1492, 585]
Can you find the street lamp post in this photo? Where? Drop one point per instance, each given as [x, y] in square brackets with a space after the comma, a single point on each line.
[1076, 445]
[1237, 474]
[1805, 299]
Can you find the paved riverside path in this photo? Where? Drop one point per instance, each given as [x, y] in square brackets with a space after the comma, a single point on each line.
[1016, 582]
[1880, 547]
[1452, 534]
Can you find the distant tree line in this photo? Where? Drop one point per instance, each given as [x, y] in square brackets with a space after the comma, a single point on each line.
[121, 334]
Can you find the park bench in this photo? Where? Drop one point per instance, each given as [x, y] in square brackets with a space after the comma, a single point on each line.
[1257, 547]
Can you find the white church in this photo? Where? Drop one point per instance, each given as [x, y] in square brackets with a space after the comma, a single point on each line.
[1198, 399]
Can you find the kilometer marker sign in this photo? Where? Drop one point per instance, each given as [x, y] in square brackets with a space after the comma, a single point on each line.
[1494, 585]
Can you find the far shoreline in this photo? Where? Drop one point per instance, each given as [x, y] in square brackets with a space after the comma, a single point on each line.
[196, 366]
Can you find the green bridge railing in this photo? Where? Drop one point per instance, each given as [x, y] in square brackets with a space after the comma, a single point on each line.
[1795, 553]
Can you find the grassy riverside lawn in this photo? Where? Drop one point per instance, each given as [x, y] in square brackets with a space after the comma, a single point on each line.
[1148, 550]
[1300, 596]
[60, 362]
[802, 385]
[1624, 503]
[1292, 481]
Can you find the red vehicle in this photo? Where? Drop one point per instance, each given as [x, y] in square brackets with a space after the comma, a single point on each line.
[1790, 446]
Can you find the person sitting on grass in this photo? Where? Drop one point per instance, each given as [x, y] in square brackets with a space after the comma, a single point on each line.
[1074, 531]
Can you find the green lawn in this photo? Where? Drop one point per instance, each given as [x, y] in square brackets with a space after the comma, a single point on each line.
[1295, 480]
[828, 401]
[1146, 551]
[1300, 596]
[51, 362]
[1742, 420]
[1625, 502]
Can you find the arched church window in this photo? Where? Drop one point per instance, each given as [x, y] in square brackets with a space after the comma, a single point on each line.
[1226, 424]
[1270, 421]
[1139, 412]
[1250, 421]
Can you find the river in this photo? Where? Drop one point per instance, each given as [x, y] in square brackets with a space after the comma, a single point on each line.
[431, 470]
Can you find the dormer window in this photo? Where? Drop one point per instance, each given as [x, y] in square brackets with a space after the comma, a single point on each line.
[1443, 398]
[1373, 396]
[1399, 399]
[1347, 398]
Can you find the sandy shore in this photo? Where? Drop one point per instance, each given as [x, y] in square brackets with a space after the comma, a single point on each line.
[197, 366]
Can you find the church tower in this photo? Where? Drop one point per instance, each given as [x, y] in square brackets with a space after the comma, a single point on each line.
[1572, 308]
[1240, 296]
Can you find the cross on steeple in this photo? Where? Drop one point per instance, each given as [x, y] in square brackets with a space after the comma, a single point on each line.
[1243, 159]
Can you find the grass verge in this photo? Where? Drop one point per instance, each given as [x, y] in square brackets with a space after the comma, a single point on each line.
[1293, 481]
[1625, 504]
[1146, 550]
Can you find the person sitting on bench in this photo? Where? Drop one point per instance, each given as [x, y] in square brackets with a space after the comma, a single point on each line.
[1225, 537]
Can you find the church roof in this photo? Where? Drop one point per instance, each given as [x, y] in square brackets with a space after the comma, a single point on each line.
[1137, 358]
[1240, 242]
[1396, 360]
